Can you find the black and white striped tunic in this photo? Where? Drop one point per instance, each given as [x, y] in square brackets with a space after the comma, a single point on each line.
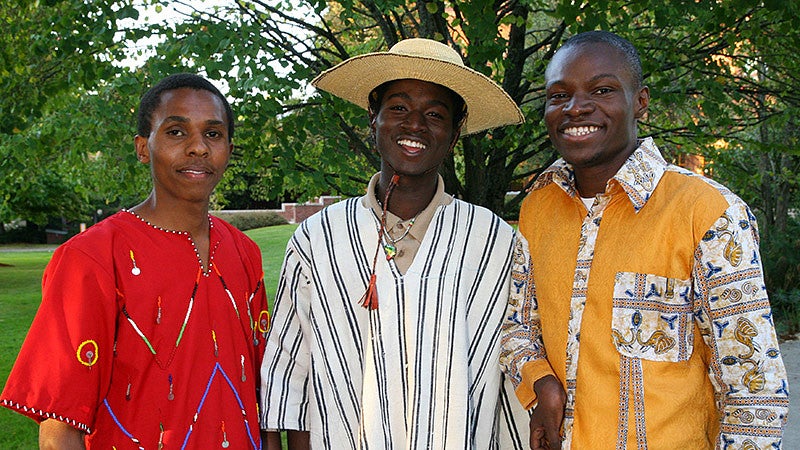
[421, 371]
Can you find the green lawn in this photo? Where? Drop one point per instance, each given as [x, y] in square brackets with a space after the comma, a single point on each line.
[20, 294]
[272, 241]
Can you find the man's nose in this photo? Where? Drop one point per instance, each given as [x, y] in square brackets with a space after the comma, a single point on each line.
[578, 105]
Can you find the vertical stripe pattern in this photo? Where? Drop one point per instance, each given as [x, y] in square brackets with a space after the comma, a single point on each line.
[421, 371]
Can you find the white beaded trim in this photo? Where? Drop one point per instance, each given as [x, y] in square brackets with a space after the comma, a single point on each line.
[45, 415]
[207, 272]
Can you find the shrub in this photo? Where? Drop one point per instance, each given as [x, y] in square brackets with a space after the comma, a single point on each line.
[247, 220]
[780, 255]
[28, 235]
[511, 212]
[786, 311]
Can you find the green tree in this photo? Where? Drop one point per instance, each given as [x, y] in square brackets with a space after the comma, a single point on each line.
[54, 55]
[700, 59]
[48, 47]
[697, 58]
[76, 158]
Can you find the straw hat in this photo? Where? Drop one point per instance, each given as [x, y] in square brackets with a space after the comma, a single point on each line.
[488, 105]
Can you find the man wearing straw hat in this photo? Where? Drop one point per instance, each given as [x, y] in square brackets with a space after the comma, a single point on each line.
[387, 318]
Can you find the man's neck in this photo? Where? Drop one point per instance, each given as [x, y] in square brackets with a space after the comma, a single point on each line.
[591, 180]
[411, 194]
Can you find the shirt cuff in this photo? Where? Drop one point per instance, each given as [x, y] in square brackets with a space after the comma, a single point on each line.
[532, 371]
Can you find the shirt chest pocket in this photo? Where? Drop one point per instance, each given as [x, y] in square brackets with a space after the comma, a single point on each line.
[652, 317]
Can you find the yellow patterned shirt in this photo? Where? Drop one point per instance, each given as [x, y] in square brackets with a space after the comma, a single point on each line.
[653, 312]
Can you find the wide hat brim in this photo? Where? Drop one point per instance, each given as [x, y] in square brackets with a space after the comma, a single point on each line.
[488, 105]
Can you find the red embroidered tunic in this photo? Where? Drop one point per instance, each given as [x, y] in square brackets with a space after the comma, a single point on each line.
[136, 345]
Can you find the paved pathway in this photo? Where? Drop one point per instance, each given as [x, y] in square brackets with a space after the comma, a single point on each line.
[791, 358]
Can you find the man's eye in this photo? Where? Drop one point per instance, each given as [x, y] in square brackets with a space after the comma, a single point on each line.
[214, 134]
[175, 132]
[602, 91]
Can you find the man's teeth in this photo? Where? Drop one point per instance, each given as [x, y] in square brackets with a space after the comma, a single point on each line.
[410, 143]
[580, 131]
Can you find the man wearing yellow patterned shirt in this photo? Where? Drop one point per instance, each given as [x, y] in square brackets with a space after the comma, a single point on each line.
[646, 277]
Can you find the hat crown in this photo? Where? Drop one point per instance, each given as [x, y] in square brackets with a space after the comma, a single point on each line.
[427, 48]
[422, 59]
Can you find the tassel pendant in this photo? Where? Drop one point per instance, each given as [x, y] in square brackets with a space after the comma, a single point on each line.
[370, 298]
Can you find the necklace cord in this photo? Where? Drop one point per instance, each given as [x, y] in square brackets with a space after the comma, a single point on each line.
[405, 233]
[370, 298]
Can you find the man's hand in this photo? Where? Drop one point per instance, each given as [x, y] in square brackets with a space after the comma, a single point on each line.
[298, 440]
[545, 425]
[270, 440]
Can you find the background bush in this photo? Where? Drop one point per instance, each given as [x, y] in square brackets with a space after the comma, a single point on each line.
[248, 220]
[780, 256]
[786, 311]
[24, 234]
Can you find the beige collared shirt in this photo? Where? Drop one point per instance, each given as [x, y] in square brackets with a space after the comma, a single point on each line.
[395, 226]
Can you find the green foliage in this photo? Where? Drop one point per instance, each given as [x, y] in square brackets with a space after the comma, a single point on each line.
[58, 128]
[248, 220]
[786, 311]
[78, 156]
[697, 57]
[272, 241]
[780, 255]
[719, 70]
[51, 47]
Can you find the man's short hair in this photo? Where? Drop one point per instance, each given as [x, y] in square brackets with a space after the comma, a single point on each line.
[152, 98]
[623, 45]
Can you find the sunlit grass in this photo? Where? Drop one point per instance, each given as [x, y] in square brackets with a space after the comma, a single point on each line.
[20, 293]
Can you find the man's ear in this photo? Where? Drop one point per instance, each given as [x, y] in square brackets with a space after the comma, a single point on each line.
[142, 151]
[457, 131]
[642, 101]
[372, 117]
[456, 135]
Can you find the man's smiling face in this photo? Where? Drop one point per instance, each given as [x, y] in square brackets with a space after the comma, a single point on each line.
[413, 128]
[593, 104]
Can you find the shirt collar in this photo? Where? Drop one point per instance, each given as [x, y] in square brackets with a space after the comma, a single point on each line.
[638, 177]
[424, 217]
